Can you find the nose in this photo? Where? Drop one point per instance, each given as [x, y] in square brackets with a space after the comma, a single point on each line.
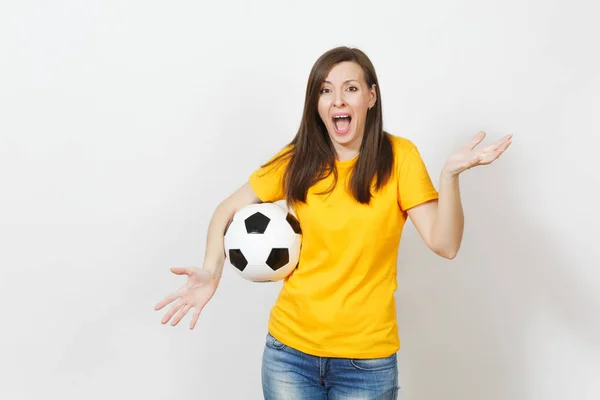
[339, 100]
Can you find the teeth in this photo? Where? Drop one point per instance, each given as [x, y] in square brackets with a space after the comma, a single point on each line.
[341, 116]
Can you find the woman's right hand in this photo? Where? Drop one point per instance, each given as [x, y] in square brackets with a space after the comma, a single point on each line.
[195, 293]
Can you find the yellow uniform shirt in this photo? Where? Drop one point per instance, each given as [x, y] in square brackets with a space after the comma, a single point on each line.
[339, 301]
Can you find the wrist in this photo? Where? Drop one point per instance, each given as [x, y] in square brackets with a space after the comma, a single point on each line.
[449, 176]
[214, 269]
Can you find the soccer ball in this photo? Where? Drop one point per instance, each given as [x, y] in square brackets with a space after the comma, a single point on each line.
[263, 242]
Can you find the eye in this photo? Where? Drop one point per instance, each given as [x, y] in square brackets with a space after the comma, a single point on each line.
[353, 88]
[324, 90]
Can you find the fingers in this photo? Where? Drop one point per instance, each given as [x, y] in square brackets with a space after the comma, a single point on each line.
[475, 140]
[172, 311]
[167, 300]
[491, 156]
[499, 144]
[501, 150]
[195, 317]
[493, 147]
[184, 310]
[181, 270]
[504, 146]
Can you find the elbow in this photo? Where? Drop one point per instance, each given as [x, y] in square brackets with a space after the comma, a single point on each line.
[444, 245]
[449, 254]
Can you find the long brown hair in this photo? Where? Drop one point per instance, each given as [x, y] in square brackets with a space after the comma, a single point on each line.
[311, 154]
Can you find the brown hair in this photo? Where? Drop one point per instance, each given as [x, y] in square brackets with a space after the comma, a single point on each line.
[311, 154]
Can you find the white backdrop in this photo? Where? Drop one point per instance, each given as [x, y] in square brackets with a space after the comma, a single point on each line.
[124, 123]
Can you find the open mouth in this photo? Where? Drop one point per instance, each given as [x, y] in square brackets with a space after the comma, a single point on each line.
[341, 123]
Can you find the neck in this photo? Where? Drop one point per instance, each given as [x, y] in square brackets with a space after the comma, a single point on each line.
[345, 154]
[347, 151]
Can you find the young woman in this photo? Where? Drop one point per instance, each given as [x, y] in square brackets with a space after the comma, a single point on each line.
[332, 333]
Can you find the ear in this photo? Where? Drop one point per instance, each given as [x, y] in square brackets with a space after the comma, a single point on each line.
[373, 96]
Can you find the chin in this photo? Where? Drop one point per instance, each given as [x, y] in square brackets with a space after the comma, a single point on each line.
[342, 139]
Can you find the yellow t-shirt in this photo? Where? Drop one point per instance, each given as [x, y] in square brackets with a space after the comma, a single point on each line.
[339, 301]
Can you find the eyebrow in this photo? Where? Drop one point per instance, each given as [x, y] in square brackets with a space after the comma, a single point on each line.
[349, 80]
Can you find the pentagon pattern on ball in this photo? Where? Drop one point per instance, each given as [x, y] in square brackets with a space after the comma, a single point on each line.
[262, 242]
[237, 259]
[278, 258]
[257, 223]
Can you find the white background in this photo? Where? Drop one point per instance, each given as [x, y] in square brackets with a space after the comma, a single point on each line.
[124, 123]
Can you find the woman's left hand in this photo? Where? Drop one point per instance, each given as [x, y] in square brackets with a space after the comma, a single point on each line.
[469, 156]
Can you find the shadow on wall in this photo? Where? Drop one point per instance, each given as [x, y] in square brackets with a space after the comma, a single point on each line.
[509, 317]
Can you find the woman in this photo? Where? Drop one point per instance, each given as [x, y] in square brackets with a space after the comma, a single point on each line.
[332, 333]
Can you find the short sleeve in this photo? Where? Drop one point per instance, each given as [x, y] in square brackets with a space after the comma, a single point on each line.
[267, 181]
[414, 183]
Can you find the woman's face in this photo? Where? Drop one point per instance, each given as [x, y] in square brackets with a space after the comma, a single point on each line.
[343, 104]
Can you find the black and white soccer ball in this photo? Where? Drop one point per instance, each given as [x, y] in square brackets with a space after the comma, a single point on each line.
[263, 242]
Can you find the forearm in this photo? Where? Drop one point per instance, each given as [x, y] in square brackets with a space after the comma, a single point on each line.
[448, 227]
[214, 256]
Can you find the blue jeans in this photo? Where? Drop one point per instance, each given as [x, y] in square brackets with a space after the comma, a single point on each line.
[289, 374]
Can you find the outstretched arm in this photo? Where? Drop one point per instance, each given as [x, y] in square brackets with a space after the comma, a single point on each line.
[440, 222]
